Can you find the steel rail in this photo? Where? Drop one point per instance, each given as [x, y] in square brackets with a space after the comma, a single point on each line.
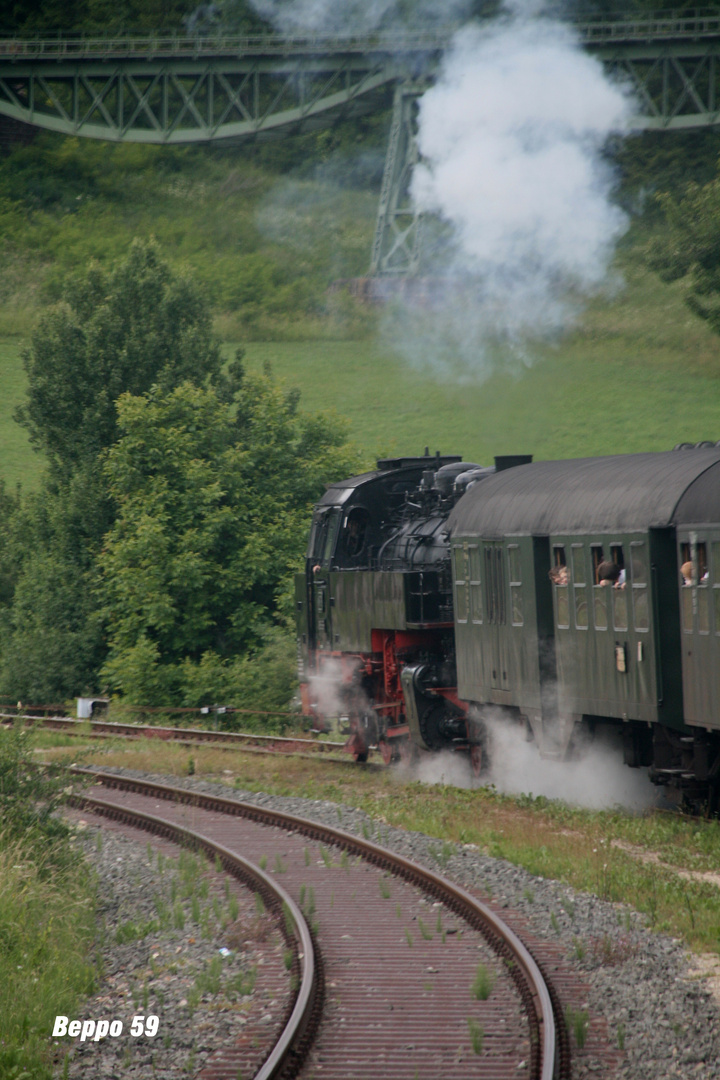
[199, 735]
[299, 1027]
[549, 1049]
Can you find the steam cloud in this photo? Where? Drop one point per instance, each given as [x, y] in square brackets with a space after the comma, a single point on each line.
[511, 137]
[519, 228]
[597, 780]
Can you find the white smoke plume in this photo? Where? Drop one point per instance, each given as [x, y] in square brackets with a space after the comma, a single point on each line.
[511, 137]
[326, 689]
[519, 227]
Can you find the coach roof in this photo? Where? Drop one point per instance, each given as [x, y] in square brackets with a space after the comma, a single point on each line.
[622, 493]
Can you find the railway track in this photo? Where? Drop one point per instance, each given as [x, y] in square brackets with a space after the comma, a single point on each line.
[263, 1051]
[236, 740]
[414, 977]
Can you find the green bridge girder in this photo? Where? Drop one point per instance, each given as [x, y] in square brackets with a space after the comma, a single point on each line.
[175, 90]
[179, 91]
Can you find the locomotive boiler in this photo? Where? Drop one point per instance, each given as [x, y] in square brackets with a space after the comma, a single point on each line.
[437, 591]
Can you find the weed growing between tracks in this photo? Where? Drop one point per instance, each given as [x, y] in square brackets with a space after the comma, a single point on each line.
[663, 865]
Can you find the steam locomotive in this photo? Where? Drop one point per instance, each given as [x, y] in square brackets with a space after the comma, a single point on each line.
[437, 592]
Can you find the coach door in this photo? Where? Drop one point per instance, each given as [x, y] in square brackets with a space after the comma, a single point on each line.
[495, 662]
[699, 583]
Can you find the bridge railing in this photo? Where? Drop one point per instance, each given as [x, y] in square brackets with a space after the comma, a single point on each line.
[667, 24]
[219, 45]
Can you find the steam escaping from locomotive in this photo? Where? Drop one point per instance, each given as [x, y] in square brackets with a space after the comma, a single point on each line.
[511, 138]
[597, 779]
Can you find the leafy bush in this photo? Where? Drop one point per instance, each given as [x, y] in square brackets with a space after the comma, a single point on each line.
[213, 491]
[29, 797]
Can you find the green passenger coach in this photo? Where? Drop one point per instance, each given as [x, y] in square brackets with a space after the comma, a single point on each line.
[541, 632]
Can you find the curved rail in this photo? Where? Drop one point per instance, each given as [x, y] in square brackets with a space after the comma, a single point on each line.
[298, 1028]
[550, 1055]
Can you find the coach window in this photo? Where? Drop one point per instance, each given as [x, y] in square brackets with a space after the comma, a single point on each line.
[515, 572]
[618, 591]
[579, 575]
[703, 598]
[559, 578]
[639, 579]
[333, 526]
[686, 590]
[476, 601]
[461, 584]
[599, 593]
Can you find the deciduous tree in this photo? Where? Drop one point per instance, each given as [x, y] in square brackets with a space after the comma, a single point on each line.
[213, 502]
[115, 332]
[689, 247]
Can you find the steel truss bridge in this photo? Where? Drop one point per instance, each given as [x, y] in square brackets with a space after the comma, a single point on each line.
[179, 90]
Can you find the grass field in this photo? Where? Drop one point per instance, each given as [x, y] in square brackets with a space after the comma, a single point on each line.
[641, 372]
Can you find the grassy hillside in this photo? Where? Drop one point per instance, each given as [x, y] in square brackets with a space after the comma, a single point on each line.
[264, 239]
[18, 462]
[641, 373]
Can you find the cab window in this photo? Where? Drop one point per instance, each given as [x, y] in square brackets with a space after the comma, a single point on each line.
[325, 528]
[355, 531]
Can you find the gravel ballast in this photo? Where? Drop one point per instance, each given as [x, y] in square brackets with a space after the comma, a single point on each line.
[163, 920]
[640, 983]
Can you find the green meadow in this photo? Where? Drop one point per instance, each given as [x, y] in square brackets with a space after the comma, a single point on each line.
[640, 372]
[264, 236]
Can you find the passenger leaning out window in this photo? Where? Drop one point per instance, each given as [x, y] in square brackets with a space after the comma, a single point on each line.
[609, 573]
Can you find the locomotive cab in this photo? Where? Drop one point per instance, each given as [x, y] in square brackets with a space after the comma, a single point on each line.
[376, 599]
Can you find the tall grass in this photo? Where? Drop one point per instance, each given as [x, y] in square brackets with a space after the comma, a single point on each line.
[47, 926]
[47, 917]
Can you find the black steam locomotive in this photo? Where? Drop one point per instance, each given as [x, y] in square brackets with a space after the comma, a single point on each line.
[436, 590]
